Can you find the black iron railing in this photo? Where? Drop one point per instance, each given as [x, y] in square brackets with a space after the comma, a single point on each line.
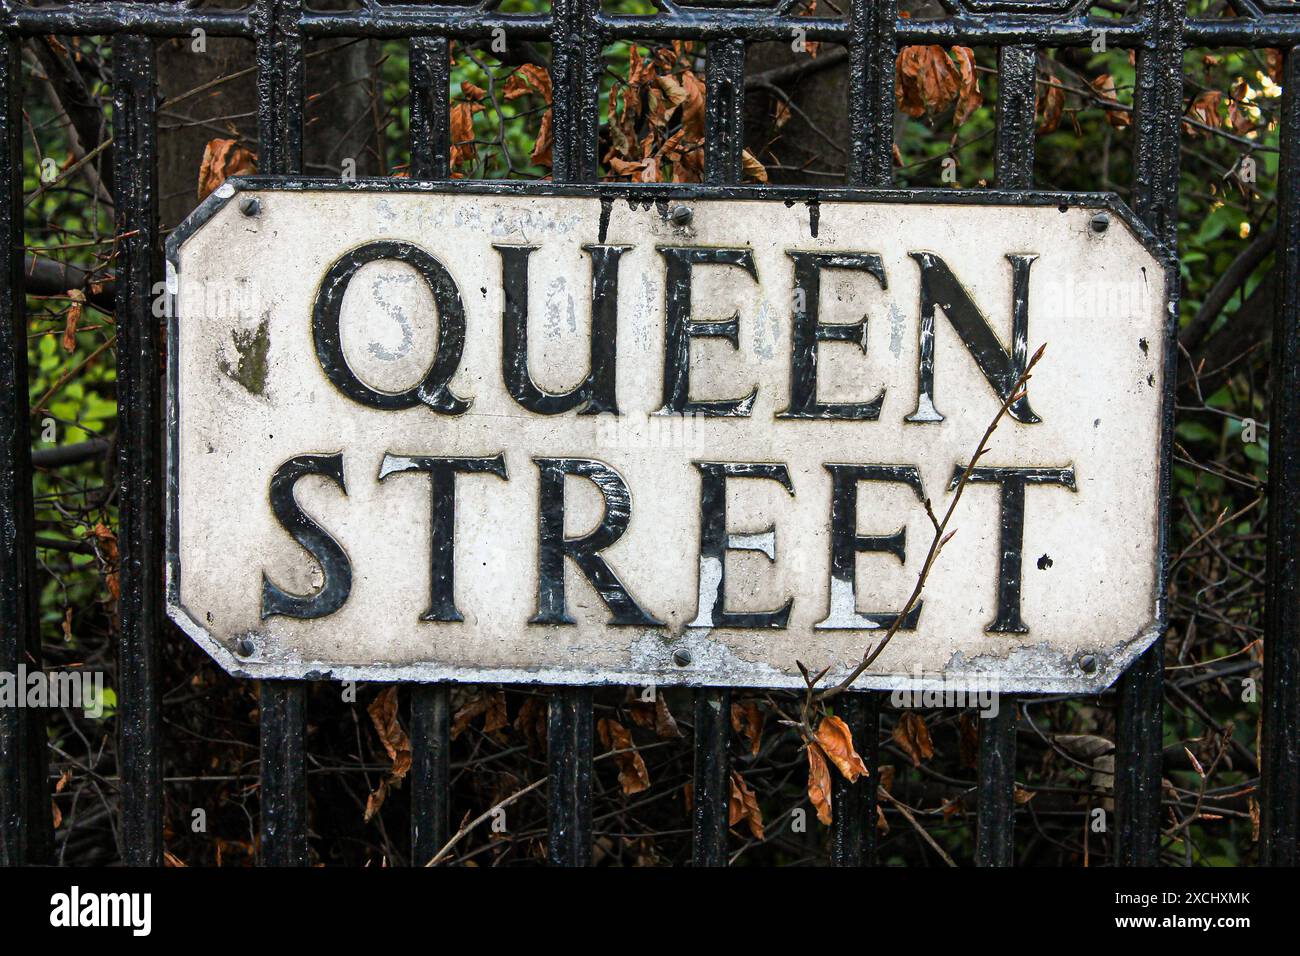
[1158, 30]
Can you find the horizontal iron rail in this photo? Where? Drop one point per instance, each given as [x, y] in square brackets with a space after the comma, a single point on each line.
[409, 20]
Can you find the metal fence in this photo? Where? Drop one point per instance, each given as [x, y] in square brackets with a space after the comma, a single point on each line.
[872, 31]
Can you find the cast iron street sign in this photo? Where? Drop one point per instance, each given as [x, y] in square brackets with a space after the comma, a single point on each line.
[529, 433]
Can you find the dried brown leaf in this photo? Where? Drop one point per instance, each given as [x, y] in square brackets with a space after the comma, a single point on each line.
[1051, 106]
[108, 551]
[926, 80]
[463, 149]
[836, 741]
[383, 714]
[1104, 87]
[529, 78]
[747, 720]
[819, 783]
[751, 169]
[969, 96]
[632, 772]
[223, 158]
[1204, 110]
[743, 805]
[913, 737]
[488, 701]
[73, 319]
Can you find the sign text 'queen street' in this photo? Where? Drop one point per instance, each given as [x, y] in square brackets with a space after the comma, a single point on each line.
[522, 435]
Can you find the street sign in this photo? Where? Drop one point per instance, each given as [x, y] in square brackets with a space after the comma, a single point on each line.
[530, 433]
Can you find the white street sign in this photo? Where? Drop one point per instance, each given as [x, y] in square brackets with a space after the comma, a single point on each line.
[529, 435]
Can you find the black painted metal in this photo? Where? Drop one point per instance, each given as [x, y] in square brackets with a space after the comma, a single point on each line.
[430, 771]
[283, 703]
[872, 55]
[711, 788]
[724, 133]
[995, 811]
[1014, 169]
[139, 447]
[578, 29]
[871, 92]
[568, 736]
[1158, 100]
[575, 79]
[853, 806]
[1280, 742]
[24, 802]
[430, 85]
[283, 712]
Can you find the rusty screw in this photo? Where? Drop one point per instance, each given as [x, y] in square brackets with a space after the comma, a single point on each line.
[1100, 223]
[681, 215]
[249, 206]
[681, 657]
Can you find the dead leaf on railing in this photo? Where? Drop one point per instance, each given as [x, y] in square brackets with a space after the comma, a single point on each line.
[108, 553]
[819, 783]
[653, 715]
[463, 149]
[223, 158]
[747, 720]
[1104, 87]
[1050, 105]
[632, 772]
[743, 805]
[836, 741]
[913, 737]
[73, 320]
[383, 714]
[490, 702]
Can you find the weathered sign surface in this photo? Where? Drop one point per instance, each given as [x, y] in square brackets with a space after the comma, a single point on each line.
[530, 435]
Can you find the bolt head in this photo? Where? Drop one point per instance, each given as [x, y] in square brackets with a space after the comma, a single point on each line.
[1100, 222]
[680, 215]
[245, 648]
[681, 657]
[250, 206]
[1088, 663]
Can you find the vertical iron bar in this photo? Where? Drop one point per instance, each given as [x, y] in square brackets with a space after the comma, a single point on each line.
[283, 703]
[24, 801]
[1017, 74]
[724, 111]
[430, 66]
[995, 813]
[1014, 169]
[430, 771]
[139, 405]
[575, 79]
[711, 787]
[568, 742]
[284, 785]
[724, 141]
[1158, 107]
[576, 65]
[853, 806]
[872, 55]
[430, 83]
[1280, 740]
